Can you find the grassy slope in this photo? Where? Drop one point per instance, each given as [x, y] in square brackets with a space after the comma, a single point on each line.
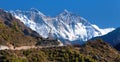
[12, 31]
[96, 51]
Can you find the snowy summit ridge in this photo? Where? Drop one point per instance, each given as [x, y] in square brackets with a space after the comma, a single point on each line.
[67, 26]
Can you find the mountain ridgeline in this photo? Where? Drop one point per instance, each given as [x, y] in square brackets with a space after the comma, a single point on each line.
[67, 26]
[14, 32]
[113, 38]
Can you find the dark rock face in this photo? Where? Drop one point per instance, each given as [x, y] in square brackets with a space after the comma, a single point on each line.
[113, 38]
[117, 47]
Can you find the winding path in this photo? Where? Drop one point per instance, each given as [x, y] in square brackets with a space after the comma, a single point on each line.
[3, 47]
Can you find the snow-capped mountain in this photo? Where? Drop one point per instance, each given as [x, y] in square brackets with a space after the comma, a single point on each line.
[66, 26]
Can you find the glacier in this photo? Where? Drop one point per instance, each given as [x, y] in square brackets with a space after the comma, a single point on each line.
[67, 26]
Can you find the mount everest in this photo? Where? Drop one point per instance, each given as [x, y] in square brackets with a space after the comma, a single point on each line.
[67, 26]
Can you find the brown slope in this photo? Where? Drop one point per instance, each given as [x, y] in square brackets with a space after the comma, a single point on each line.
[100, 51]
[13, 32]
[93, 51]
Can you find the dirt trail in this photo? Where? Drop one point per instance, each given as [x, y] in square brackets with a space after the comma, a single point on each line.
[3, 47]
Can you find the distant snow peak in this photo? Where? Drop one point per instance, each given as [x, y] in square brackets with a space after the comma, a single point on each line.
[66, 26]
[66, 11]
[36, 11]
[103, 31]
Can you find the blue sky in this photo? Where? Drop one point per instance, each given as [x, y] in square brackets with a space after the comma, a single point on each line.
[104, 13]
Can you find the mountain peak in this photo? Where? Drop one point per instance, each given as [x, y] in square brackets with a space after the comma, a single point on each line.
[34, 10]
[66, 11]
[66, 25]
